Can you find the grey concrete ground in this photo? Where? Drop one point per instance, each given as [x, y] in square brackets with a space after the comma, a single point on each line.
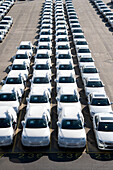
[99, 35]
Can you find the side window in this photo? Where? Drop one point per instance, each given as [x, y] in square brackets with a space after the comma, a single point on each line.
[96, 121]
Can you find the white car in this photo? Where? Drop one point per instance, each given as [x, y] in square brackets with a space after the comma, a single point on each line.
[71, 131]
[89, 71]
[105, 11]
[103, 129]
[8, 121]
[36, 131]
[41, 82]
[14, 82]
[63, 40]
[8, 18]
[46, 33]
[65, 67]
[1, 36]
[108, 14]
[44, 47]
[78, 38]
[42, 56]
[4, 10]
[46, 27]
[65, 80]
[60, 47]
[93, 84]
[81, 44]
[38, 98]
[42, 68]
[68, 97]
[26, 47]
[61, 33]
[85, 61]
[110, 20]
[98, 103]
[82, 52]
[21, 57]
[4, 29]
[18, 70]
[5, 23]
[9, 98]
[63, 56]
[45, 40]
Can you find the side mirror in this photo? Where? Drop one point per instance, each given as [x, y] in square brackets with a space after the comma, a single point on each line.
[49, 124]
[27, 99]
[58, 124]
[23, 123]
[17, 47]
[3, 82]
[111, 103]
[9, 67]
[57, 98]
[89, 103]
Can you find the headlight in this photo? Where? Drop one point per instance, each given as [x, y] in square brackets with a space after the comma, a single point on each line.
[8, 137]
[24, 137]
[83, 139]
[46, 137]
[15, 108]
[92, 113]
[60, 137]
[100, 141]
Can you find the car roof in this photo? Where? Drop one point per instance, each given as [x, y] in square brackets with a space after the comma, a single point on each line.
[105, 117]
[25, 43]
[37, 91]
[21, 52]
[70, 112]
[36, 111]
[99, 95]
[93, 79]
[67, 90]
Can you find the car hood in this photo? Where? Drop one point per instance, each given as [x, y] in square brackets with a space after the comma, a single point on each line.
[106, 136]
[95, 89]
[6, 132]
[100, 109]
[76, 105]
[72, 133]
[42, 132]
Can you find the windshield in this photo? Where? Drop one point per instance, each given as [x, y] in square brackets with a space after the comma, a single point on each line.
[79, 36]
[41, 80]
[24, 47]
[66, 80]
[13, 81]
[18, 67]
[94, 84]
[75, 26]
[83, 51]
[71, 124]
[61, 33]
[36, 123]
[44, 40]
[77, 31]
[21, 56]
[86, 60]
[38, 99]
[42, 67]
[105, 126]
[45, 33]
[68, 98]
[7, 97]
[62, 39]
[65, 67]
[90, 70]
[44, 47]
[64, 56]
[5, 123]
[42, 56]
[100, 102]
[81, 43]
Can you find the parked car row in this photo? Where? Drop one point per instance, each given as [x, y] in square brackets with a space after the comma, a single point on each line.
[5, 21]
[5, 25]
[36, 124]
[71, 131]
[98, 102]
[104, 11]
[12, 91]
